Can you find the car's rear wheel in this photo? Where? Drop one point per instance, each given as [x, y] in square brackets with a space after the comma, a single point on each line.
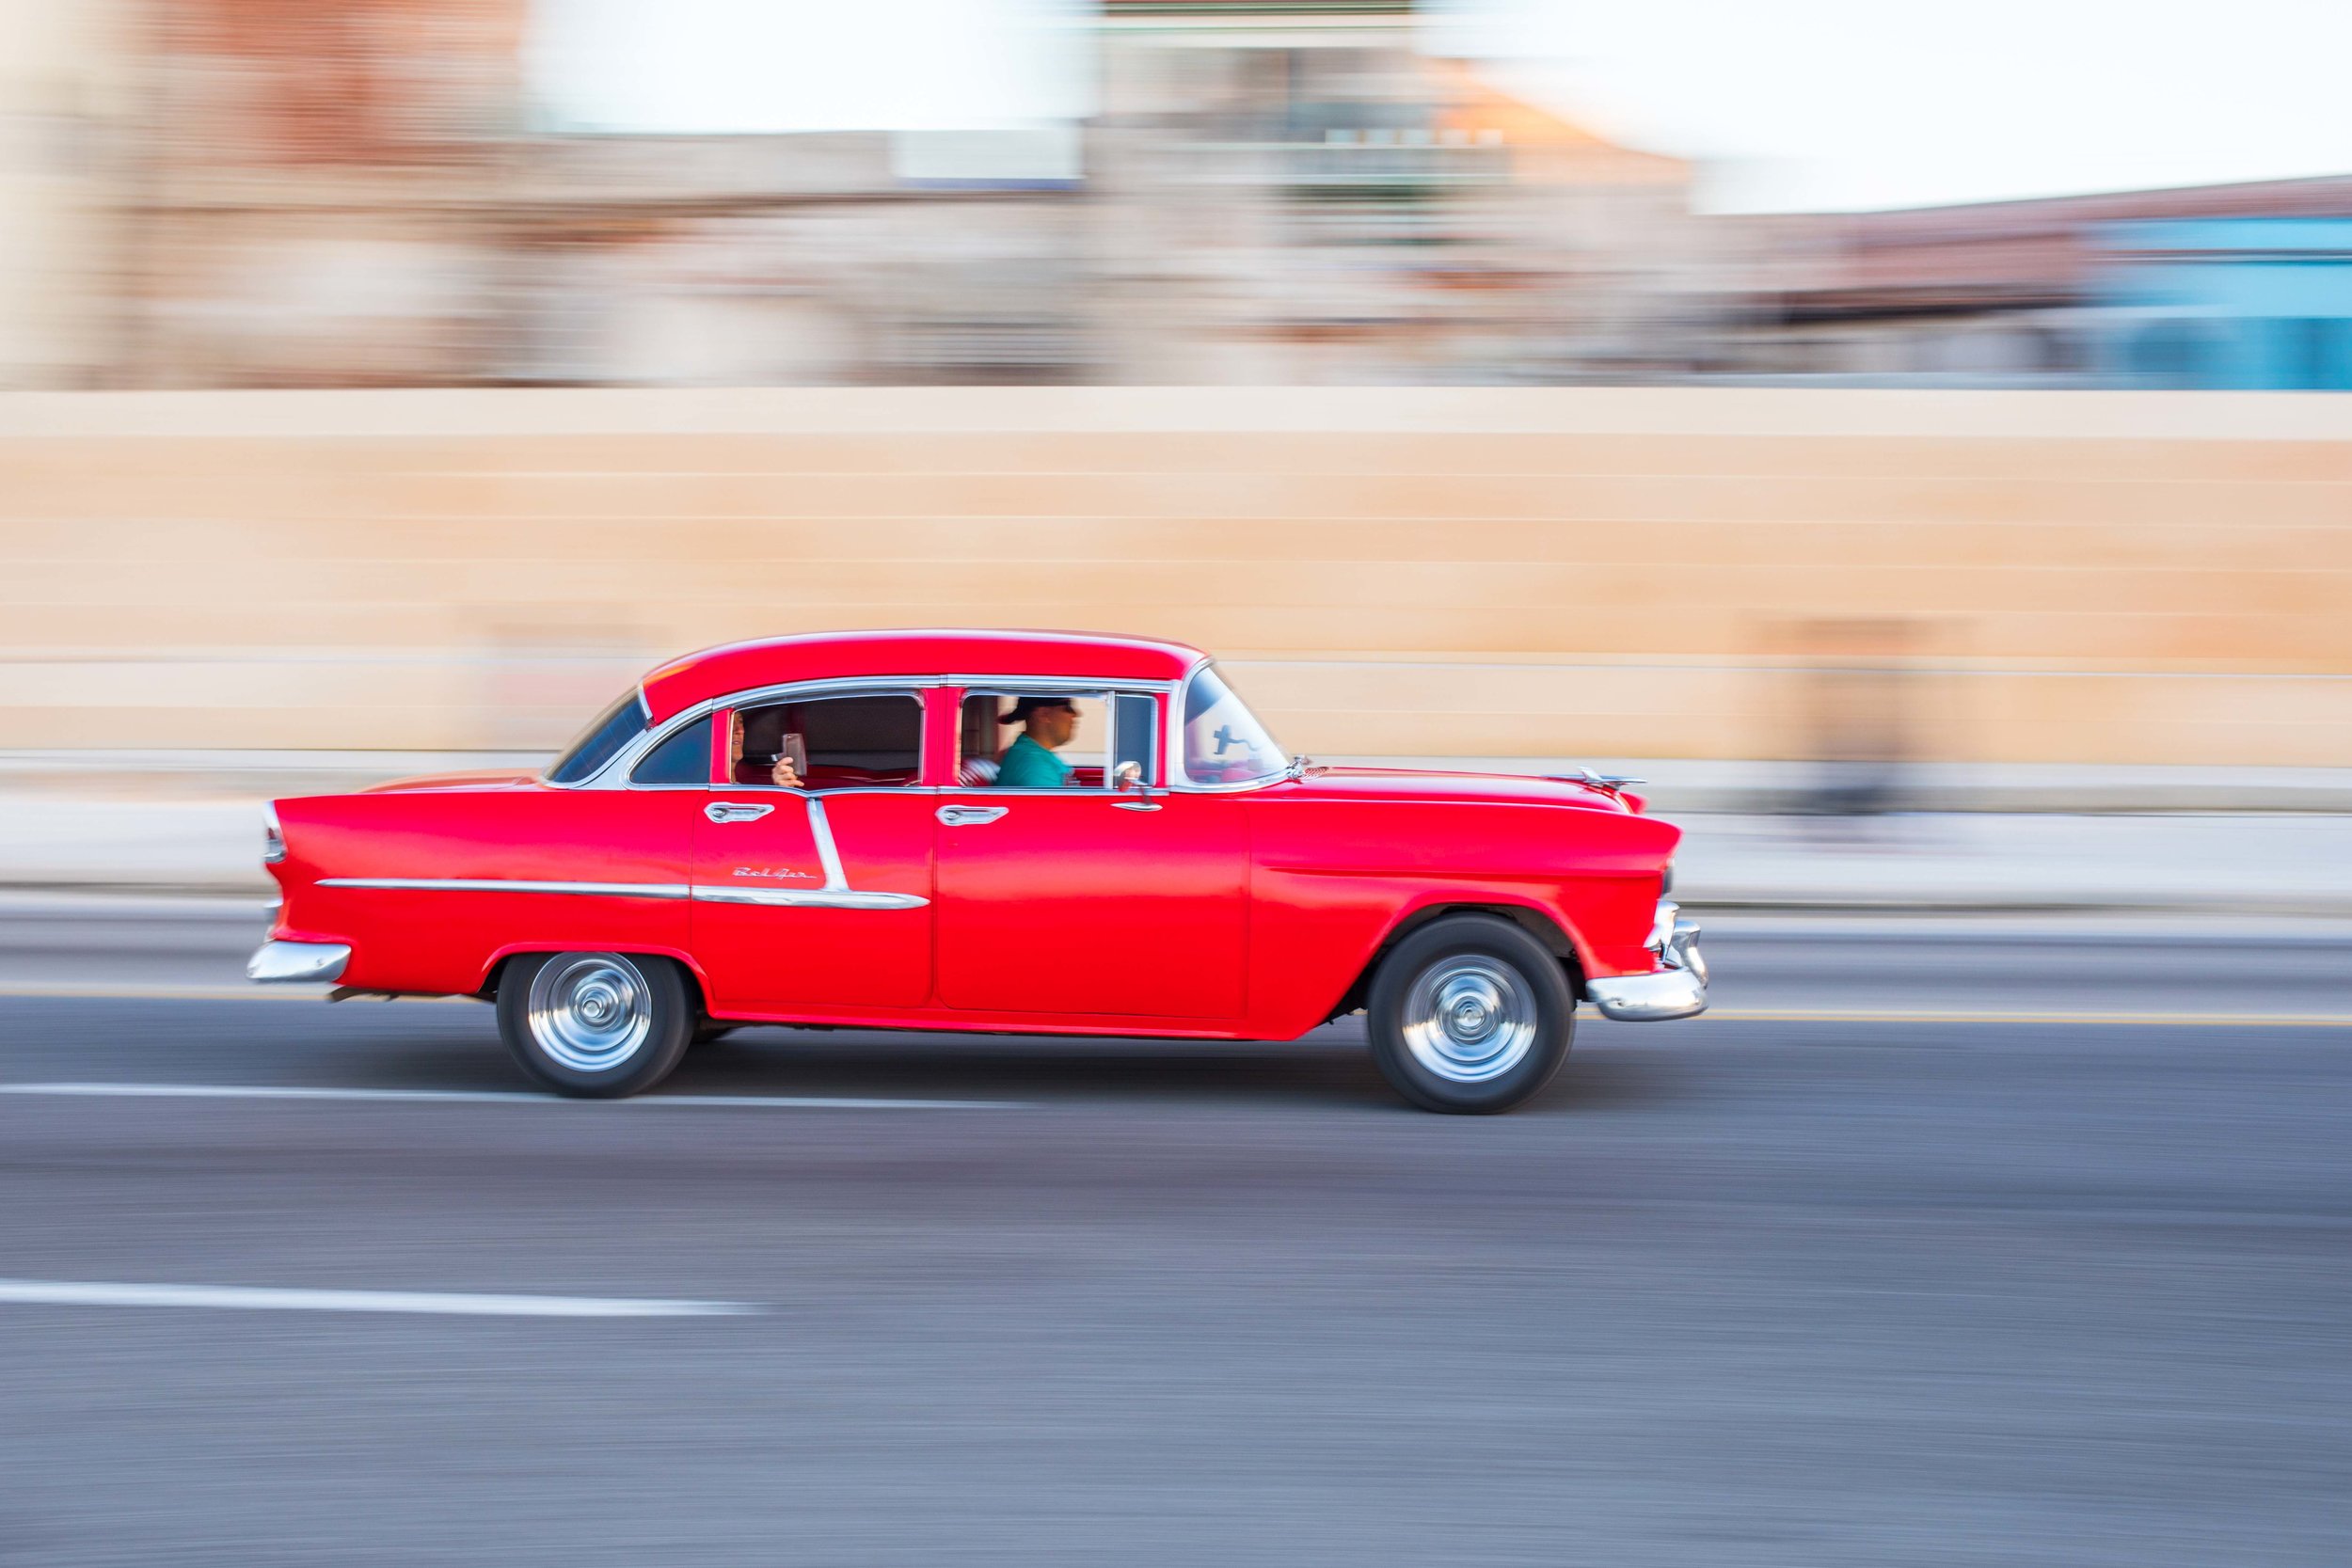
[1469, 1014]
[596, 1024]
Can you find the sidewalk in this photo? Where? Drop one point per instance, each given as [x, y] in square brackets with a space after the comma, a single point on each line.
[2254, 862]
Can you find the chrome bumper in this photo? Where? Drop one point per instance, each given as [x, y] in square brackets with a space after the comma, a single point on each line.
[1678, 989]
[298, 960]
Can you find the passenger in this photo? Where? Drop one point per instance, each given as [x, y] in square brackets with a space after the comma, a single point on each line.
[782, 774]
[1030, 762]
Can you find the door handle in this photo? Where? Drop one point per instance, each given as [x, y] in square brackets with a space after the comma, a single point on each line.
[735, 811]
[1136, 805]
[970, 817]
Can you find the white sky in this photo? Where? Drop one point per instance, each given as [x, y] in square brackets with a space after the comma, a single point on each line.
[1793, 103]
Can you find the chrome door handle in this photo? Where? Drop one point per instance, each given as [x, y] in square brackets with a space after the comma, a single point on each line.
[970, 817]
[1136, 805]
[735, 811]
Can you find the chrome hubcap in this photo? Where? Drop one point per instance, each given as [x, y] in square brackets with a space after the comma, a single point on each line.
[590, 1012]
[1468, 1018]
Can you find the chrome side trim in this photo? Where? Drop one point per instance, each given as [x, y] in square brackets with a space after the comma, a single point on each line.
[811, 899]
[835, 895]
[820, 829]
[274, 962]
[829, 897]
[495, 884]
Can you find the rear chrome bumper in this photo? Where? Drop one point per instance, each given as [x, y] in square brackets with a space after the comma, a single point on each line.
[275, 961]
[1676, 988]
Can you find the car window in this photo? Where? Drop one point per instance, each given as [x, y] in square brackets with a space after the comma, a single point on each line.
[987, 737]
[870, 741]
[684, 758]
[1224, 743]
[1136, 737]
[601, 742]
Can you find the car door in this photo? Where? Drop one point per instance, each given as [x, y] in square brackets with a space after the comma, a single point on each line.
[1092, 900]
[817, 899]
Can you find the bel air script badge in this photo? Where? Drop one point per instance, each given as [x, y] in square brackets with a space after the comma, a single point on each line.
[776, 871]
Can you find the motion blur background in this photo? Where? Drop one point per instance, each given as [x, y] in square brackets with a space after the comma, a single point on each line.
[1825, 411]
[1914, 435]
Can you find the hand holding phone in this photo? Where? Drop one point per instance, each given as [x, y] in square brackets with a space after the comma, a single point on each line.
[792, 763]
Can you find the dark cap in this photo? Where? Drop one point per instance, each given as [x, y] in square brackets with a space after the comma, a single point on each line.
[1023, 707]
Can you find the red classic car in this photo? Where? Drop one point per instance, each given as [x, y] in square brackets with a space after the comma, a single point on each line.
[1183, 878]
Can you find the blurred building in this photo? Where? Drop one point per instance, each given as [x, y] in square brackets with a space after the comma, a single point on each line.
[69, 93]
[238, 192]
[2230, 303]
[2083, 290]
[1293, 193]
[352, 192]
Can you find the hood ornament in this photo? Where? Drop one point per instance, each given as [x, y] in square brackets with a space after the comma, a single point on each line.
[1609, 783]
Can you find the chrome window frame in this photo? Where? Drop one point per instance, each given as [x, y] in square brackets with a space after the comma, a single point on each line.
[1056, 686]
[614, 774]
[1180, 775]
[820, 691]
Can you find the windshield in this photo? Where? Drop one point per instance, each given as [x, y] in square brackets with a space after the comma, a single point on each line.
[601, 742]
[1224, 743]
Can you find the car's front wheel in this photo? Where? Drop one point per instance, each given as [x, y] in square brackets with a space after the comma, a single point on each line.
[1470, 1015]
[596, 1024]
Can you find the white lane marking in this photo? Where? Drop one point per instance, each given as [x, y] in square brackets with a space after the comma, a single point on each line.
[137, 990]
[497, 1097]
[76, 1292]
[2164, 1020]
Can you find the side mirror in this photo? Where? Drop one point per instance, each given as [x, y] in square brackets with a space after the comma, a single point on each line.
[1127, 779]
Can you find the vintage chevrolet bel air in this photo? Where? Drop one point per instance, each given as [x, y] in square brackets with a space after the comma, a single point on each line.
[1185, 877]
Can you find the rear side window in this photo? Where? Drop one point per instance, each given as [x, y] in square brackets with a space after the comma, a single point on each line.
[601, 742]
[837, 742]
[682, 760]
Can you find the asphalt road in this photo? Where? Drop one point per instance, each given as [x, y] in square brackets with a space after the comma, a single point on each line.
[1804, 1283]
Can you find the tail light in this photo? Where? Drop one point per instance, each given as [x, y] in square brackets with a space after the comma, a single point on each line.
[272, 836]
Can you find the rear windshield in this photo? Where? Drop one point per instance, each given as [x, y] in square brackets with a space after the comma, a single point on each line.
[601, 742]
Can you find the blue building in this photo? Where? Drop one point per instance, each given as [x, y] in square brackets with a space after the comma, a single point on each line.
[2231, 303]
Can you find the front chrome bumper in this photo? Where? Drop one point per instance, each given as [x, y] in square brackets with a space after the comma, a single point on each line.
[1676, 988]
[275, 961]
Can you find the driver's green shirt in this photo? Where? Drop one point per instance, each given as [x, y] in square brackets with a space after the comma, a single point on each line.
[1026, 764]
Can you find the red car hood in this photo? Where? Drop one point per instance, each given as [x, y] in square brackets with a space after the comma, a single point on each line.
[1404, 783]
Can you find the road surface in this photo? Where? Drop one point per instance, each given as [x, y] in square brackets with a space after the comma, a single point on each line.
[1810, 1282]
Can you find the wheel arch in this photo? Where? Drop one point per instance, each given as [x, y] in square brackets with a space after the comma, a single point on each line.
[493, 971]
[1538, 922]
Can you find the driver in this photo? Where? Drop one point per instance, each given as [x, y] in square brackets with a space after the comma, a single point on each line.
[1030, 762]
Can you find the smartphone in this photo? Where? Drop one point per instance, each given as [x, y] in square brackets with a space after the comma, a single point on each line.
[796, 752]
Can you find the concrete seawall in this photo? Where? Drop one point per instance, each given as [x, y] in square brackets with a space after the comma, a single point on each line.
[2082, 579]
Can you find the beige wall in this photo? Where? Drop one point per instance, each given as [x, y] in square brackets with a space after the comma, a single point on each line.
[2063, 576]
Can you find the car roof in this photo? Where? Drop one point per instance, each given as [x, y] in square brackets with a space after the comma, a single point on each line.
[714, 673]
